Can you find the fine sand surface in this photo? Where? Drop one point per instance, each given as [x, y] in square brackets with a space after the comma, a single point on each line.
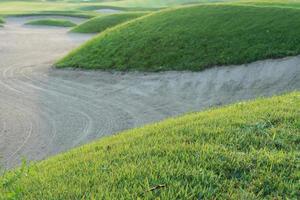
[108, 11]
[44, 111]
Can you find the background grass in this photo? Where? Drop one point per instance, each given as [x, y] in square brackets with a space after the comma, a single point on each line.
[51, 22]
[14, 7]
[243, 151]
[88, 9]
[272, 3]
[192, 38]
[101, 23]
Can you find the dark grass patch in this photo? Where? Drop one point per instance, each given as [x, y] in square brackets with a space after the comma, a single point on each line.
[51, 22]
[1, 22]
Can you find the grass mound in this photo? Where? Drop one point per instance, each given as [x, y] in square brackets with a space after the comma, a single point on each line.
[1, 22]
[102, 23]
[51, 22]
[192, 38]
[243, 151]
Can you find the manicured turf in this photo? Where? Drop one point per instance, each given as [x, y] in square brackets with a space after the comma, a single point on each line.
[271, 3]
[13, 7]
[51, 22]
[157, 3]
[102, 23]
[214, 35]
[244, 151]
[28, 7]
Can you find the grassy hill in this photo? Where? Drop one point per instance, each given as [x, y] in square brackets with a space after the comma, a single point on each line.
[248, 150]
[1, 22]
[192, 38]
[101, 23]
[51, 22]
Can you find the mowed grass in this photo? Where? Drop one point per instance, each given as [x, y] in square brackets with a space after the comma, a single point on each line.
[272, 3]
[18, 7]
[23, 7]
[248, 150]
[192, 38]
[51, 22]
[101, 23]
[157, 3]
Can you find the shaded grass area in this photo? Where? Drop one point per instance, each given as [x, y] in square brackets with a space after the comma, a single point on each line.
[192, 38]
[101, 23]
[51, 22]
[248, 150]
[1, 22]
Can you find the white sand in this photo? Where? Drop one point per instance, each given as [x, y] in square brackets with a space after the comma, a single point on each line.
[44, 111]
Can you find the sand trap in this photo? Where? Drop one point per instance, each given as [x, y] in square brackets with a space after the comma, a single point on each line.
[44, 111]
[22, 20]
[108, 11]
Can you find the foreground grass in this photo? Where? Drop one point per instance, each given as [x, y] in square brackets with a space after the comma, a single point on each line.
[51, 22]
[214, 35]
[102, 23]
[243, 151]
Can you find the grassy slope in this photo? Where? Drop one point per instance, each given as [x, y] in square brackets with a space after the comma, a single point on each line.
[51, 22]
[272, 3]
[102, 23]
[243, 151]
[1, 22]
[214, 35]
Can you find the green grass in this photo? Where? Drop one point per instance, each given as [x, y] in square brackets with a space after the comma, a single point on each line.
[23, 7]
[98, 7]
[1, 22]
[51, 22]
[272, 3]
[248, 150]
[192, 38]
[57, 13]
[19, 8]
[157, 3]
[101, 23]
[15, 7]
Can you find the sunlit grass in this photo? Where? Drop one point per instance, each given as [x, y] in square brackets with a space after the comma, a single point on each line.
[101, 23]
[192, 38]
[243, 151]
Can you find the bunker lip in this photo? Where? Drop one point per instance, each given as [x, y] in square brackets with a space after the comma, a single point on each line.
[24, 19]
[44, 111]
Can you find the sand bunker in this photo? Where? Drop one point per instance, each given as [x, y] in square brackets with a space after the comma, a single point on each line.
[108, 11]
[44, 111]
